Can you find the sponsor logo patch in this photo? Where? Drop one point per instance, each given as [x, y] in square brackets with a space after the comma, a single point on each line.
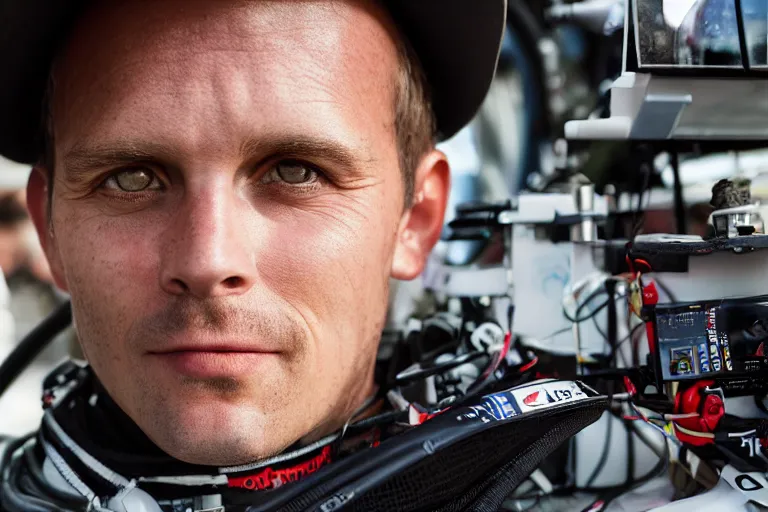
[548, 394]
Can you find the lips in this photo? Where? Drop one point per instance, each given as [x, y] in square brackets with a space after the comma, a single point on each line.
[213, 365]
[206, 344]
[213, 360]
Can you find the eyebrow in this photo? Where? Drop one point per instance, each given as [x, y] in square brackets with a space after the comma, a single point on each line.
[348, 159]
[83, 159]
[80, 161]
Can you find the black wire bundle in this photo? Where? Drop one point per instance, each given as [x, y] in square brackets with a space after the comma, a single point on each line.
[34, 343]
[604, 455]
[24, 486]
[577, 320]
[615, 348]
[638, 217]
[608, 494]
[597, 293]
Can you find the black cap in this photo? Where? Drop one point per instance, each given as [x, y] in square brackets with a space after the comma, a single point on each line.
[457, 41]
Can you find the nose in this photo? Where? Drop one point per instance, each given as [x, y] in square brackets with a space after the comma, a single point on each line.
[206, 252]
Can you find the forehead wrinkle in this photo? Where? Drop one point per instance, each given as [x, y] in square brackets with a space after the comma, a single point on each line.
[141, 33]
[172, 52]
[210, 26]
[216, 65]
[243, 28]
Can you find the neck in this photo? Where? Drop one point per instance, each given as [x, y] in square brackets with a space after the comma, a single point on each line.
[364, 407]
[105, 430]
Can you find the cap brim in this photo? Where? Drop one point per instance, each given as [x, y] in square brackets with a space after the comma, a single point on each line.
[457, 41]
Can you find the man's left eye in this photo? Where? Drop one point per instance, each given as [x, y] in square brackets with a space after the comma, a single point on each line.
[292, 173]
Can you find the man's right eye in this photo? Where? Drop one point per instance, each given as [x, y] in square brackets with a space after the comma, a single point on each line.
[133, 180]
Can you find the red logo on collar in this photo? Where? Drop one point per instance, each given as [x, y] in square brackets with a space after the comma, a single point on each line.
[530, 400]
[269, 478]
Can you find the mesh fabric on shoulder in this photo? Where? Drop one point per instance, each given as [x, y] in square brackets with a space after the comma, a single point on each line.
[477, 474]
[474, 474]
[488, 495]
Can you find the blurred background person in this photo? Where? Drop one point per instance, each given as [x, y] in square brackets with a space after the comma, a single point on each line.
[27, 295]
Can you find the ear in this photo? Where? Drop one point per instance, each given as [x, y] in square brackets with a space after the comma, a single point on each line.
[39, 206]
[422, 223]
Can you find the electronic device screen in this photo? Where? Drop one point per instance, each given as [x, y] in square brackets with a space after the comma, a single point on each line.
[712, 339]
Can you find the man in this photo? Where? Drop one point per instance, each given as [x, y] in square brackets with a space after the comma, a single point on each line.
[225, 189]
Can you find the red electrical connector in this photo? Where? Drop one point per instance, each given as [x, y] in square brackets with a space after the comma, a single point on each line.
[709, 409]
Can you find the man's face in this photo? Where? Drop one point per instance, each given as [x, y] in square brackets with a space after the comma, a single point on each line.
[227, 210]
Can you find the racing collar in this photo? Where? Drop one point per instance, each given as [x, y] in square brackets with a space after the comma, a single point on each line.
[87, 435]
[476, 450]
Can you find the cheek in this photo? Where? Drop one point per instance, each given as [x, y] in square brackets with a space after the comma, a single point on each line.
[332, 265]
[111, 272]
[329, 257]
[109, 255]
[333, 269]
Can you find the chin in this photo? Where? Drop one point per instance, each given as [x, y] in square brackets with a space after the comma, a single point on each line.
[217, 433]
[221, 451]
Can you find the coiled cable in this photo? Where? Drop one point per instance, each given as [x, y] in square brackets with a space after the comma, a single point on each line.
[24, 488]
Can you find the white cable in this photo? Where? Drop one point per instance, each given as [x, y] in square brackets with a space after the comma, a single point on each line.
[681, 416]
[397, 400]
[540, 479]
[584, 287]
[189, 480]
[663, 432]
[742, 434]
[68, 473]
[487, 337]
[280, 458]
[109, 475]
[705, 435]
